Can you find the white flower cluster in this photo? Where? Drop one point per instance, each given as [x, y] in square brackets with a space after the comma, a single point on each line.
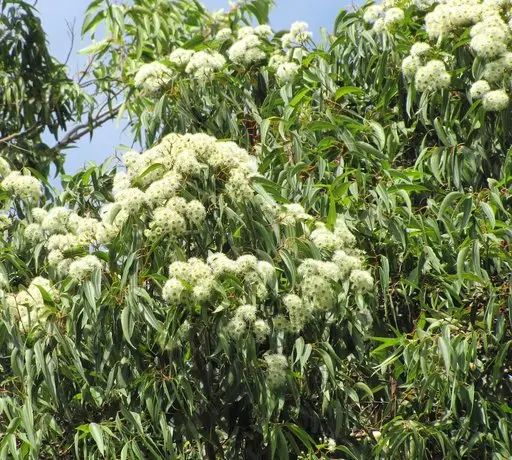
[19, 185]
[416, 59]
[247, 49]
[188, 281]
[340, 238]
[452, 15]
[277, 370]
[479, 89]
[171, 219]
[224, 34]
[27, 306]
[285, 69]
[254, 274]
[181, 57]
[220, 17]
[495, 101]
[62, 230]
[298, 35]
[491, 39]
[83, 267]
[298, 312]
[384, 17]
[201, 65]
[432, 76]
[151, 195]
[194, 280]
[152, 76]
[428, 75]
[290, 214]
[245, 319]
[175, 160]
[318, 291]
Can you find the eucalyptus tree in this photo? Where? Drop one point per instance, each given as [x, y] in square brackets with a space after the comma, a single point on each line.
[309, 259]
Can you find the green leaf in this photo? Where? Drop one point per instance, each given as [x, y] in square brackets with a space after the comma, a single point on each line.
[97, 434]
[448, 201]
[461, 259]
[445, 348]
[327, 361]
[127, 325]
[299, 97]
[344, 90]
[489, 213]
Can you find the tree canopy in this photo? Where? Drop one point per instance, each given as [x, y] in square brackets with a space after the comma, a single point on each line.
[309, 258]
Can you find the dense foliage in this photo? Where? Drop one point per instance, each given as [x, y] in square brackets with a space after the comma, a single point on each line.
[310, 258]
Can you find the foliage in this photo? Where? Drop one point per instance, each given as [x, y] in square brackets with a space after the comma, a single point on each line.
[38, 98]
[35, 93]
[210, 299]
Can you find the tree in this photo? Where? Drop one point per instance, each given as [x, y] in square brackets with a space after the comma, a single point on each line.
[309, 259]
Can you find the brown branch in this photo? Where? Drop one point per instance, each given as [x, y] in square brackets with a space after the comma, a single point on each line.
[71, 34]
[81, 130]
[82, 73]
[12, 136]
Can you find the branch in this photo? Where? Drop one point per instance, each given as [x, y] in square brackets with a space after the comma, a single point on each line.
[81, 130]
[11, 136]
[81, 74]
[71, 34]
[27, 132]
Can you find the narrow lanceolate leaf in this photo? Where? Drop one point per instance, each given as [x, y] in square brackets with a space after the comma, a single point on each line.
[445, 348]
[97, 434]
[343, 91]
[447, 202]
[489, 213]
[127, 324]
[461, 260]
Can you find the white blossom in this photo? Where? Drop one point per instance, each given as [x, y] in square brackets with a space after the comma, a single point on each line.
[495, 101]
[152, 76]
[181, 57]
[204, 64]
[83, 267]
[372, 13]
[362, 280]
[393, 16]
[21, 186]
[223, 34]
[277, 370]
[479, 89]
[246, 50]
[263, 30]
[432, 76]
[287, 71]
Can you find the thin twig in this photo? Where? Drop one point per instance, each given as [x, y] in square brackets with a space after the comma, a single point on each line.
[81, 130]
[85, 71]
[71, 34]
[12, 136]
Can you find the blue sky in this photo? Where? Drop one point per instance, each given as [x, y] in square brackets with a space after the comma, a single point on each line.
[57, 14]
